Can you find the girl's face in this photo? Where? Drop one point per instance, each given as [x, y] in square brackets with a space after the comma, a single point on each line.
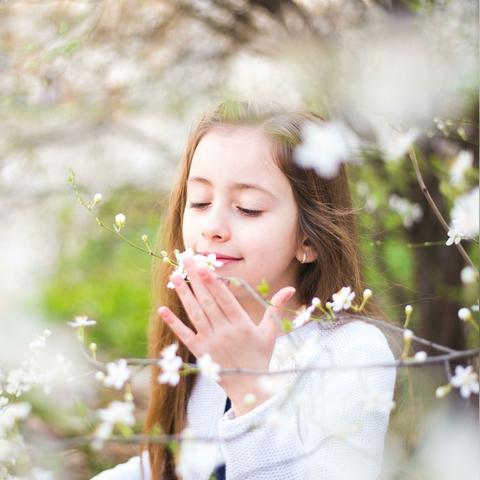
[241, 205]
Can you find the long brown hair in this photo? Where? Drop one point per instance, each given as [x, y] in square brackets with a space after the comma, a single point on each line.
[325, 217]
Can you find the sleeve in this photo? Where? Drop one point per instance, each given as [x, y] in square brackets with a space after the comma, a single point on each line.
[130, 470]
[330, 426]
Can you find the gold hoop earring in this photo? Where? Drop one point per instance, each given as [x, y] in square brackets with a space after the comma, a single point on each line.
[304, 257]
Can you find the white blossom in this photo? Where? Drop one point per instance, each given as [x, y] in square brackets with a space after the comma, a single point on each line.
[208, 367]
[170, 364]
[465, 213]
[342, 300]
[460, 165]
[210, 261]
[325, 146]
[116, 413]
[465, 379]
[82, 321]
[454, 235]
[303, 317]
[117, 374]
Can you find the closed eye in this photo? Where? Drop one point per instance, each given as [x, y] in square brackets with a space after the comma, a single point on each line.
[244, 211]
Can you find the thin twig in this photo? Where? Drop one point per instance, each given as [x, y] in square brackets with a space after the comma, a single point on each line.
[433, 206]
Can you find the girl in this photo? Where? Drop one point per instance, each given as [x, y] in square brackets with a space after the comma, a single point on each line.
[240, 195]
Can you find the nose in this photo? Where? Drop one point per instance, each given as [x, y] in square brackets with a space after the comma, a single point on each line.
[215, 226]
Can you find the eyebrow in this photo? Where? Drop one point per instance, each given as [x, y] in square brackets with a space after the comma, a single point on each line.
[236, 186]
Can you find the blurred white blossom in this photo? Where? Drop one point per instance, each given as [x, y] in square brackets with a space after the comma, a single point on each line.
[117, 374]
[466, 380]
[325, 146]
[170, 364]
[465, 213]
[463, 161]
[410, 212]
[454, 235]
[82, 321]
[303, 316]
[117, 413]
[208, 368]
[11, 413]
[342, 300]
[196, 457]
[394, 144]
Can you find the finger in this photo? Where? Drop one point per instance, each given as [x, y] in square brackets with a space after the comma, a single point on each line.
[185, 334]
[270, 323]
[191, 305]
[208, 302]
[225, 299]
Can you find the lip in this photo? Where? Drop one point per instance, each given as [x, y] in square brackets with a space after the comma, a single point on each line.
[221, 256]
[226, 261]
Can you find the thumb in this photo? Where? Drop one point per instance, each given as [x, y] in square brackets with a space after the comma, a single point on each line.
[270, 323]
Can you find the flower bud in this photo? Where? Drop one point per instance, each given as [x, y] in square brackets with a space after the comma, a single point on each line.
[464, 314]
[120, 220]
[407, 334]
[316, 301]
[367, 293]
[442, 391]
[97, 198]
[420, 356]
[408, 310]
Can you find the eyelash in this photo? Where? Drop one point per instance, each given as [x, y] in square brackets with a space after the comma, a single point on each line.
[243, 211]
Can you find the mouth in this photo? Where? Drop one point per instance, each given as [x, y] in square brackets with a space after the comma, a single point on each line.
[222, 257]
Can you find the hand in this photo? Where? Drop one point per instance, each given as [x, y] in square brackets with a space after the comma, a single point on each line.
[225, 330]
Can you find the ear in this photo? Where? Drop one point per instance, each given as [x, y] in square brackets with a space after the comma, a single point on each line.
[306, 249]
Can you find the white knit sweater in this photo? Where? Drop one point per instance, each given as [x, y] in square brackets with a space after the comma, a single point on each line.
[322, 425]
